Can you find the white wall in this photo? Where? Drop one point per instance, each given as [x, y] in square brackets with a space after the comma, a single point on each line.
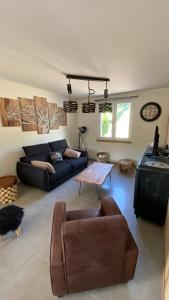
[142, 132]
[12, 138]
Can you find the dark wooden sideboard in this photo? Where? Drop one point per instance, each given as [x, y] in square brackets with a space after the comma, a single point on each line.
[152, 188]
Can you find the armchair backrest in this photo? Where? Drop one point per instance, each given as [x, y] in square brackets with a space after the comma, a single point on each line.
[93, 251]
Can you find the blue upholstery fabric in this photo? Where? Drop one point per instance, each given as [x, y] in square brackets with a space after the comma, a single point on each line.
[40, 178]
[76, 162]
[41, 157]
[61, 169]
[58, 146]
[35, 150]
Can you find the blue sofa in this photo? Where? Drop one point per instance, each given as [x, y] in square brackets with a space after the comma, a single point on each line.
[41, 178]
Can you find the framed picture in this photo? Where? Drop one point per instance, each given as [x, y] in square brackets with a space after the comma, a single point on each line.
[62, 117]
[28, 114]
[10, 113]
[53, 115]
[41, 109]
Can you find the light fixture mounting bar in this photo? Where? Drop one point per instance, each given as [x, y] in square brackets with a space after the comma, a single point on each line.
[117, 98]
[89, 78]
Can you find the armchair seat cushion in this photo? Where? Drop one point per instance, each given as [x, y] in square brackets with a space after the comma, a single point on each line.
[82, 214]
[61, 169]
[76, 163]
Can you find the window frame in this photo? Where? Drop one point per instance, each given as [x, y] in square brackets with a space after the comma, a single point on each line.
[114, 110]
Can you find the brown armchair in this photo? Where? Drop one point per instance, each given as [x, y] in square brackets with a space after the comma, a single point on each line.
[90, 248]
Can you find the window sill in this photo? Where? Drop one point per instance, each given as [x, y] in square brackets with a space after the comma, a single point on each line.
[114, 141]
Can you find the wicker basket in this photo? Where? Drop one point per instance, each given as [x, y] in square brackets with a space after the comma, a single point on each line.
[127, 166]
[8, 189]
[102, 157]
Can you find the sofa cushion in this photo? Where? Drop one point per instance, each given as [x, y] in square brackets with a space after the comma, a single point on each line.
[55, 156]
[36, 150]
[40, 157]
[43, 165]
[76, 162]
[61, 169]
[58, 146]
[71, 153]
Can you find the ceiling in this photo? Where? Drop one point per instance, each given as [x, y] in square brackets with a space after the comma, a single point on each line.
[127, 41]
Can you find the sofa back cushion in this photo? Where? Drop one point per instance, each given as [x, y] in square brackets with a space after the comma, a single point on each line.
[59, 146]
[37, 152]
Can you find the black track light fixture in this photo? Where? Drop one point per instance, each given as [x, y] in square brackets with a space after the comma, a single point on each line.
[70, 106]
[105, 107]
[89, 107]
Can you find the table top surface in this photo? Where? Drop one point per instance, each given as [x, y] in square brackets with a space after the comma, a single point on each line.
[95, 173]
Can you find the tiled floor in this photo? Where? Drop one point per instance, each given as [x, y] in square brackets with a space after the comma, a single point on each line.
[24, 261]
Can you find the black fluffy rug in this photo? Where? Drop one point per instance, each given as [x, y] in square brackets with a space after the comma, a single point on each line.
[10, 218]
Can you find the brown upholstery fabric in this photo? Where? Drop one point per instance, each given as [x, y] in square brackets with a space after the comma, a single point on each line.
[57, 270]
[131, 255]
[83, 214]
[90, 248]
[109, 207]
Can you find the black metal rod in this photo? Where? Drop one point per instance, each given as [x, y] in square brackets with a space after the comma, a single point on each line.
[116, 98]
[91, 78]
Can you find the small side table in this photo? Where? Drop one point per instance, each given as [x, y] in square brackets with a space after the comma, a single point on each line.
[8, 189]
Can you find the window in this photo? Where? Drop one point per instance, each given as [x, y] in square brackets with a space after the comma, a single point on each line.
[116, 124]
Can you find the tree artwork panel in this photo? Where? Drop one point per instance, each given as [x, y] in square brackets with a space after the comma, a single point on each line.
[10, 114]
[53, 115]
[62, 117]
[28, 114]
[41, 109]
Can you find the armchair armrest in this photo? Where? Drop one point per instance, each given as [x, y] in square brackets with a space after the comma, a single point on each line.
[33, 176]
[57, 271]
[109, 207]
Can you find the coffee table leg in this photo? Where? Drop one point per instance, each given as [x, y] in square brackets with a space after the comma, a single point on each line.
[80, 188]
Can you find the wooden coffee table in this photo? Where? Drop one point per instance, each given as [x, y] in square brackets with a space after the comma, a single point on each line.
[96, 173]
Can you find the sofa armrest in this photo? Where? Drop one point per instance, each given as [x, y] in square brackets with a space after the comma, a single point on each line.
[94, 251]
[33, 176]
[57, 271]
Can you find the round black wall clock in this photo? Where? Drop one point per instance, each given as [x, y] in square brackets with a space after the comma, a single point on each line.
[150, 111]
